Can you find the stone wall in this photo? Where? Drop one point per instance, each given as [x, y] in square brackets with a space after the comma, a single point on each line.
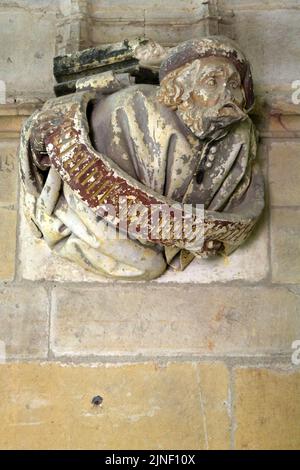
[199, 360]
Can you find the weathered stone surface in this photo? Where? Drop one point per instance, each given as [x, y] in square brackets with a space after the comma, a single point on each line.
[284, 125]
[158, 320]
[7, 244]
[284, 173]
[48, 406]
[215, 400]
[94, 60]
[285, 245]
[12, 117]
[10, 126]
[165, 22]
[24, 321]
[261, 22]
[267, 409]
[27, 33]
[39, 263]
[8, 173]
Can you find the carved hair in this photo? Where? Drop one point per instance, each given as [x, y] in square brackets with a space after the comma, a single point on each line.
[177, 86]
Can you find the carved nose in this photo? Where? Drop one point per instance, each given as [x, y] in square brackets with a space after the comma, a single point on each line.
[227, 94]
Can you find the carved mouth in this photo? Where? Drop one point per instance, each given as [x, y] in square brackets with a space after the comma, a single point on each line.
[231, 110]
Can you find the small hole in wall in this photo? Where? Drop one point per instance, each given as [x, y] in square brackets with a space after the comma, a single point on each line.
[97, 400]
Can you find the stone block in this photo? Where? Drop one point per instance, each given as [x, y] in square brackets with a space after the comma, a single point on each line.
[28, 31]
[258, 25]
[267, 409]
[164, 22]
[284, 173]
[167, 320]
[285, 245]
[7, 244]
[145, 406]
[281, 124]
[24, 321]
[215, 399]
[8, 173]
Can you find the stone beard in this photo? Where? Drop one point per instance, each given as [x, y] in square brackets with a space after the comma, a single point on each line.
[190, 141]
[207, 123]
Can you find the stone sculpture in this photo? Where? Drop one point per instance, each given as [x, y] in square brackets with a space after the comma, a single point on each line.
[186, 143]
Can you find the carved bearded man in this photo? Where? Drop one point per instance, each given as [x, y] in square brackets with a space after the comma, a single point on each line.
[189, 140]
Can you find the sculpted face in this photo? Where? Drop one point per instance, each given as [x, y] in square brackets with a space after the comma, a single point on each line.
[217, 82]
[211, 95]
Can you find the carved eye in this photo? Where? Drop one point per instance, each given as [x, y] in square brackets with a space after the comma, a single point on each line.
[211, 82]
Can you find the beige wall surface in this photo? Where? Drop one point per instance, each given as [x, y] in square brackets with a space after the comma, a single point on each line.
[195, 360]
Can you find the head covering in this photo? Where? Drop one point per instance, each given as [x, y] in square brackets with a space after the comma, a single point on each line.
[219, 46]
